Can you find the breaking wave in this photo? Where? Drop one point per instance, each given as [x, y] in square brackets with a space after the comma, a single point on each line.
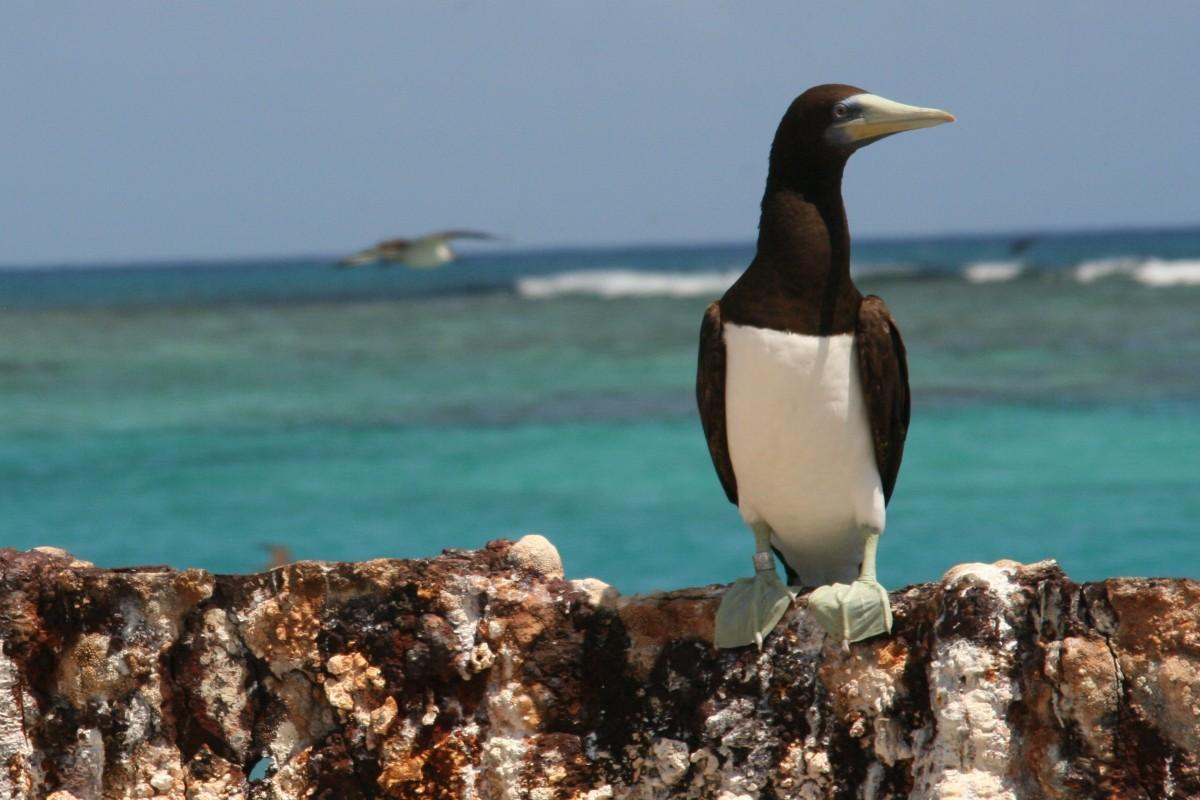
[1154, 272]
[1092, 271]
[611, 283]
[617, 283]
[992, 271]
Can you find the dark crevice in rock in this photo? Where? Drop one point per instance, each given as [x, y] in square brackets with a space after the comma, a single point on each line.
[337, 772]
[184, 701]
[683, 677]
[615, 709]
[851, 759]
[973, 613]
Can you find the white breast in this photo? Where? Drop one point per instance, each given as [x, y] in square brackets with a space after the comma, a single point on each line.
[801, 448]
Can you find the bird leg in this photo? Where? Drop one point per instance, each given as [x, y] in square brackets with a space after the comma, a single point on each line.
[858, 611]
[751, 607]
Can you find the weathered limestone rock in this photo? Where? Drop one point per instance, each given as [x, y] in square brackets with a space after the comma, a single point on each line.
[486, 675]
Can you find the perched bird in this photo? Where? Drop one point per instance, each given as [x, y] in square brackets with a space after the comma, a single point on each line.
[279, 555]
[430, 250]
[802, 382]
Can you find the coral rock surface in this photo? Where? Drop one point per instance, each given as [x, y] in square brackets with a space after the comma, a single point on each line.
[485, 675]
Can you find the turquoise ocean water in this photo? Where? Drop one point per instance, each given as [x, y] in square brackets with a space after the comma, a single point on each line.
[189, 413]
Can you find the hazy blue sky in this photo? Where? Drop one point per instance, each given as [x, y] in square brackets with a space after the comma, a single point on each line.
[153, 130]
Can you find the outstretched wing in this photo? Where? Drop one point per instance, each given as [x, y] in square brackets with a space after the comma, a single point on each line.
[710, 396]
[458, 234]
[367, 256]
[883, 367]
[384, 250]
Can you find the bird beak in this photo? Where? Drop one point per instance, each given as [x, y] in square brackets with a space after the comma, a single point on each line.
[872, 117]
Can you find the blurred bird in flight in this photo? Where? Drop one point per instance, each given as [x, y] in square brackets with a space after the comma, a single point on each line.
[423, 252]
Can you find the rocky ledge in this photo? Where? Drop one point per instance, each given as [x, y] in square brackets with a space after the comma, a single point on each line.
[485, 674]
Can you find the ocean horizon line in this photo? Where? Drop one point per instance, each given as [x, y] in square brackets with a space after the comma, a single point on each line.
[284, 259]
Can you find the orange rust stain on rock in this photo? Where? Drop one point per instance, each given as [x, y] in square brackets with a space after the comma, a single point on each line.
[892, 657]
[674, 619]
[650, 625]
[399, 775]
[523, 627]
[447, 770]
[1156, 616]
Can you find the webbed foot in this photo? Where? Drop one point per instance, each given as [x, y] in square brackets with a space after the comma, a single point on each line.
[851, 613]
[750, 609]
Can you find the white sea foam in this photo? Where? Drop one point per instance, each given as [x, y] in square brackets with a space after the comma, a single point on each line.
[1092, 271]
[1156, 272]
[612, 283]
[992, 271]
[1148, 271]
[619, 282]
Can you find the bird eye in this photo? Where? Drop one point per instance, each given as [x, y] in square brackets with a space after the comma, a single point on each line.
[840, 111]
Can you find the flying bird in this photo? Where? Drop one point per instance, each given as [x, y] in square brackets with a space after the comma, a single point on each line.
[802, 383]
[423, 252]
[1018, 246]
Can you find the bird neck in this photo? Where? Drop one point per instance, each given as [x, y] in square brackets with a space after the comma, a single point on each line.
[804, 231]
[804, 247]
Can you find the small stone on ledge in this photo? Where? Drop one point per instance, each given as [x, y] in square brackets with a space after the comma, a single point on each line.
[535, 552]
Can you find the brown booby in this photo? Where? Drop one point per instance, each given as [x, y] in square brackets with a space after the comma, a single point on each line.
[430, 250]
[802, 382]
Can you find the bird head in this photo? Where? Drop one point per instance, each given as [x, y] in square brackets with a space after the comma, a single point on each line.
[827, 123]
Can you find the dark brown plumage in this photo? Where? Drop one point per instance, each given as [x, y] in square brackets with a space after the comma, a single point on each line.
[710, 396]
[799, 281]
[883, 368]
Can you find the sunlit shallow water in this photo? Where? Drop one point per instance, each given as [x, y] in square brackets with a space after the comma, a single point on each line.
[192, 414]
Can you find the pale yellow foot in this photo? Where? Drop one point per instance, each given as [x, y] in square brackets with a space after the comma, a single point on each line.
[851, 613]
[750, 609]
[858, 611]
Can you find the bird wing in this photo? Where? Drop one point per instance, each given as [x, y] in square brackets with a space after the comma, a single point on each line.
[710, 396]
[361, 257]
[378, 252]
[883, 367]
[458, 234]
